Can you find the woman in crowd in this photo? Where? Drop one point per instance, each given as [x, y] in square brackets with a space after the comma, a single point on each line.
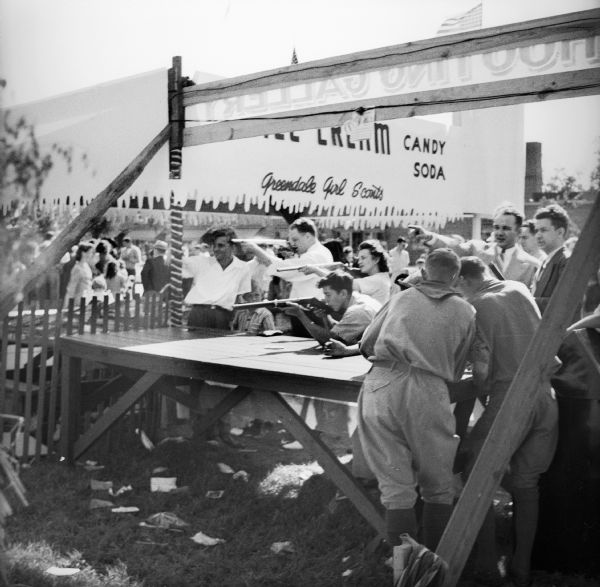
[80, 281]
[373, 264]
[117, 278]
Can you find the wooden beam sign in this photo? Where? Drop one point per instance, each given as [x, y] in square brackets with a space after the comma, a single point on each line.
[555, 57]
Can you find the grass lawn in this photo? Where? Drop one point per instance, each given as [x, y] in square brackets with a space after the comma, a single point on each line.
[286, 499]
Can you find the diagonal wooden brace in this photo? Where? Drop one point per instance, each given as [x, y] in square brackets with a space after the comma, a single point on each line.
[338, 473]
[115, 412]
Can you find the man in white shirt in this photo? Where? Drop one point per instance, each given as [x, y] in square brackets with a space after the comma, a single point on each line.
[303, 240]
[131, 255]
[399, 258]
[218, 280]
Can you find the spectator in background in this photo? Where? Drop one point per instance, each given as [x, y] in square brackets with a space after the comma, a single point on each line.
[349, 257]
[80, 280]
[528, 241]
[117, 279]
[131, 255]
[155, 272]
[103, 248]
[551, 226]
[399, 258]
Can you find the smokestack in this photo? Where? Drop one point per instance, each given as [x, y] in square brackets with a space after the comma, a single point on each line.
[533, 170]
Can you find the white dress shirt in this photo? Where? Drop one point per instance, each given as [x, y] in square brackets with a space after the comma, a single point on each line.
[303, 286]
[214, 285]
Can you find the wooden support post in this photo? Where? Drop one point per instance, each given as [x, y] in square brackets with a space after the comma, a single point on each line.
[511, 420]
[70, 394]
[52, 254]
[176, 124]
[338, 473]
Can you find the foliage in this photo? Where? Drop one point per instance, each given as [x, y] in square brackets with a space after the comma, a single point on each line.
[563, 185]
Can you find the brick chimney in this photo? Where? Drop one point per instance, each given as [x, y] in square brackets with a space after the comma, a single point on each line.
[533, 170]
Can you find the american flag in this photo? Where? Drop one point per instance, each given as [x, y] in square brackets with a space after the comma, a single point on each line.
[294, 57]
[467, 21]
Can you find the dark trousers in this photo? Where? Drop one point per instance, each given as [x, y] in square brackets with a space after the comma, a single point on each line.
[205, 316]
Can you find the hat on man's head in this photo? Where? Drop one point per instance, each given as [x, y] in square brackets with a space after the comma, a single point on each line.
[401, 239]
[161, 246]
[126, 238]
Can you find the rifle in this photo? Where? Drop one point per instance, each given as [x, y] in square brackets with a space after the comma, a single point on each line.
[332, 266]
[313, 303]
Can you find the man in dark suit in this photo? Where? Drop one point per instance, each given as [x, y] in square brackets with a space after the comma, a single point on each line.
[155, 273]
[551, 226]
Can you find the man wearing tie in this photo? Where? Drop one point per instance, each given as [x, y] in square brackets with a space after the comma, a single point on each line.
[551, 226]
[512, 261]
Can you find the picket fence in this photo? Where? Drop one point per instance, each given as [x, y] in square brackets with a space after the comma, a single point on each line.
[30, 365]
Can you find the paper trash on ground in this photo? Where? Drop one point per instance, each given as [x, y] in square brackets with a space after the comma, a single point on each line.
[166, 520]
[283, 547]
[347, 573]
[215, 494]
[96, 485]
[62, 571]
[148, 444]
[201, 538]
[126, 510]
[159, 470]
[236, 431]
[293, 445]
[120, 491]
[163, 484]
[96, 504]
[223, 468]
[241, 475]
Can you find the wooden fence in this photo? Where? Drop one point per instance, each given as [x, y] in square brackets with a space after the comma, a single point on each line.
[30, 362]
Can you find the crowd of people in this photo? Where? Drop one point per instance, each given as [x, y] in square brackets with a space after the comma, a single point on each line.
[474, 303]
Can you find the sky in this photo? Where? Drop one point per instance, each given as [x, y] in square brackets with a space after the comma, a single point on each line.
[49, 47]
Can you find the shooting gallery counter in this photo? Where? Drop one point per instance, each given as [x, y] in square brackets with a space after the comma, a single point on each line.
[255, 364]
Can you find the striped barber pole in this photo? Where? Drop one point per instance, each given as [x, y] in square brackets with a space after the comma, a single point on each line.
[176, 293]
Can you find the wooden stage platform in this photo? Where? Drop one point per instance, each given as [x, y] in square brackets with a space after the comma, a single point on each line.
[254, 364]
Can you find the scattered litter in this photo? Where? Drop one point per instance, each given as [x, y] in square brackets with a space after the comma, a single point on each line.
[236, 431]
[241, 475]
[94, 467]
[281, 431]
[223, 468]
[126, 510]
[62, 571]
[176, 439]
[159, 470]
[283, 547]
[247, 450]
[91, 466]
[347, 573]
[345, 459]
[100, 485]
[293, 445]
[201, 538]
[163, 484]
[215, 494]
[165, 520]
[346, 559]
[148, 444]
[213, 442]
[120, 491]
[96, 504]
[149, 542]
